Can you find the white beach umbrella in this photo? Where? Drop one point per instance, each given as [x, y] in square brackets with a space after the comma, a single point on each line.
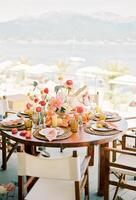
[21, 67]
[124, 80]
[4, 66]
[94, 70]
[41, 68]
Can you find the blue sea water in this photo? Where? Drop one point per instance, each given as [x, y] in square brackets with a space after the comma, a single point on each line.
[94, 54]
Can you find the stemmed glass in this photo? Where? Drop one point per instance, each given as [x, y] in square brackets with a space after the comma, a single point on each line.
[35, 119]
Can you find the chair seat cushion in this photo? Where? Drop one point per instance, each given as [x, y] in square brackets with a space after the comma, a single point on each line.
[126, 160]
[51, 189]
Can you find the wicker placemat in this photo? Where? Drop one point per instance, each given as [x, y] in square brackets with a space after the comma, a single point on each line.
[6, 128]
[66, 135]
[101, 133]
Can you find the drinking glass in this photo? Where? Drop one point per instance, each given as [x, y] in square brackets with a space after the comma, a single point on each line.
[35, 119]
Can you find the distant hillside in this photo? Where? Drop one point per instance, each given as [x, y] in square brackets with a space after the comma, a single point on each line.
[69, 26]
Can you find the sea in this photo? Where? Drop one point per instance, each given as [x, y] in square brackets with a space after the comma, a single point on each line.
[99, 54]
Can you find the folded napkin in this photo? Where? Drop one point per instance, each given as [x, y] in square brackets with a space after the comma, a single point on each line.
[115, 126]
[50, 134]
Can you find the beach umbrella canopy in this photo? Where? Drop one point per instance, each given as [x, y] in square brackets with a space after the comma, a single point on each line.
[94, 70]
[21, 67]
[124, 80]
[41, 68]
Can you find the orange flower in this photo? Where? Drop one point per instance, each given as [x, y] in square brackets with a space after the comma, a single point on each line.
[55, 103]
[84, 118]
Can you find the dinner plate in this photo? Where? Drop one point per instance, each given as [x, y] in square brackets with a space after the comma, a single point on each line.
[45, 131]
[101, 129]
[13, 126]
[23, 114]
[107, 115]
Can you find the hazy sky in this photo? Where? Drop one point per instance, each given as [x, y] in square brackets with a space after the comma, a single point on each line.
[10, 9]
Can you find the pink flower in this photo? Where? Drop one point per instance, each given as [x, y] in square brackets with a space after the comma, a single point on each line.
[38, 109]
[43, 103]
[69, 84]
[46, 90]
[28, 105]
[36, 99]
[79, 109]
[55, 103]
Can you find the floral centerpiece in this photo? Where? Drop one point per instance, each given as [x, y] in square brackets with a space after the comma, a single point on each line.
[54, 110]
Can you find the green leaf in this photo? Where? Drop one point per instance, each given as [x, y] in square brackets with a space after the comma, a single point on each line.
[62, 109]
[58, 87]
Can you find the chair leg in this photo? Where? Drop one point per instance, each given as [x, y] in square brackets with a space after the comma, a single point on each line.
[117, 188]
[87, 187]
[77, 191]
[107, 176]
[114, 153]
[106, 187]
[20, 188]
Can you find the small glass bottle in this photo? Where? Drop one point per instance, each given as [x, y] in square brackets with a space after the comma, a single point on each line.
[74, 125]
[54, 120]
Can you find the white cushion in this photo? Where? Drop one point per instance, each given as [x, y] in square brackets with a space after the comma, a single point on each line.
[51, 189]
[127, 160]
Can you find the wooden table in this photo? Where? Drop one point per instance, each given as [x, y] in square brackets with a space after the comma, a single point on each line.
[80, 139]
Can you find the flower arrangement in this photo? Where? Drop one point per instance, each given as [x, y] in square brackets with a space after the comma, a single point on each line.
[38, 101]
[52, 110]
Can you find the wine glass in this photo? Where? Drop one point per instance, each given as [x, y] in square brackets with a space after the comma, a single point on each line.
[35, 119]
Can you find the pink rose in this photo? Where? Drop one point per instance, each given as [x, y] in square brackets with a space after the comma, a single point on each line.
[79, 109]
[42, 103]
[28, 105]
[46, 90]
[69, 84]
[38, 109]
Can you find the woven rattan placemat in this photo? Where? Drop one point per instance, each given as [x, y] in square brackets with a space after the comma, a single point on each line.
[6, 128]
[101, 133]
[66, 135]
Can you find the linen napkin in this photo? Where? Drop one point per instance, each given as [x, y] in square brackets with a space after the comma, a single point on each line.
[114, 125]
[50, 134]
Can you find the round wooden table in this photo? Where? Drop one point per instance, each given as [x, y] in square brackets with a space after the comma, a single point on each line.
[79, 139]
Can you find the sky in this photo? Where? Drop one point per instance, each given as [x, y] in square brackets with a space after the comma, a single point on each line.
[11, 9]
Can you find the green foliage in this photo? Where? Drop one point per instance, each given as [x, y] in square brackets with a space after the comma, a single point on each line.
[116, 69]
[57, 88]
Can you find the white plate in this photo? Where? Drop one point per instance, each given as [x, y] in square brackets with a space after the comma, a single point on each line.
[23, 114]
[13, 126]
[108, 115]
[45, 131]
[101, 129]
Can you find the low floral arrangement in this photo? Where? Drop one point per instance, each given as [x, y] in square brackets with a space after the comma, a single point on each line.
[53, 110]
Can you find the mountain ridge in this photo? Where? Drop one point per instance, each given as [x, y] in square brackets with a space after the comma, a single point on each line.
[62, 26]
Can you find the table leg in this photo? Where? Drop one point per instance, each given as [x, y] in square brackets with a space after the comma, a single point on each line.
[4, 160]
[101, 171]
[91, 153]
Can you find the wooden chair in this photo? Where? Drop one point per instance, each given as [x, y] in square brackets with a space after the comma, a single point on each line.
[58, 178]
[124, 165]
[121, 143]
